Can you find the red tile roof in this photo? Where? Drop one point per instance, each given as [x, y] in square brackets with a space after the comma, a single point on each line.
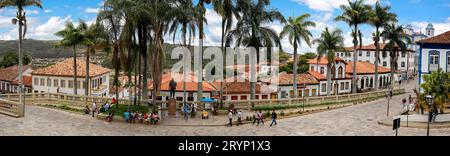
[324, 60]
[191, 83]
[365, 68]
[27, 81]
[317, 75]
[65, 69]
[439, 39]
[287, 79]
[370, 47]
[11, 73]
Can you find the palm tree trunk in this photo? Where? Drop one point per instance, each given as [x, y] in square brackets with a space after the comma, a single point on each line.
[74, 70]
[329, 85]
[223, 56]
[355, 59]
[200, 58]
[21, 98]
[86, 81]
[377, 53]
[135, 81]
[295, 69]
[140, 79]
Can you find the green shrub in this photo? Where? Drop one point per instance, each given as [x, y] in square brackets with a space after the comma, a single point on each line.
[267, 114]
[282, 113]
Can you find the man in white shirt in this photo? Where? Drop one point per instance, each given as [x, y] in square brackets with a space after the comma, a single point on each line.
[230, 118]
[94, 108]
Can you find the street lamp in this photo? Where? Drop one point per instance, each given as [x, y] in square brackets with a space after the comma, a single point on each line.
[429, 100]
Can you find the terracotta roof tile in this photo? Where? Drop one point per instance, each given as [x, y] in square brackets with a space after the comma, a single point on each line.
[191, 83]
[65, 69]
[317, 75]
[439, 39]
[365, 68]
[27, 81]
[11, 73]
[287, 79]
[324, 60]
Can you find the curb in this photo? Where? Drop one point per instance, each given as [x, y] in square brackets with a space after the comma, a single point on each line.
[420, 125]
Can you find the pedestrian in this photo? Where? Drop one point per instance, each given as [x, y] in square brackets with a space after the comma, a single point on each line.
[274, 118]
[94, 108]
[230, 118]
[186, 111]
[255, 117]
[260, 117]
[239, 120]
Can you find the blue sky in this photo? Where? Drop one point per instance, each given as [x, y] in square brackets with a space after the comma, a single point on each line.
[44, 23]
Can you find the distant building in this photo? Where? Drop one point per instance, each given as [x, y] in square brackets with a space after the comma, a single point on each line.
[417, 36]
[365, 73]
[434, 53]
[340, 80]
[405, 61]
[58, 78]
[9, 79]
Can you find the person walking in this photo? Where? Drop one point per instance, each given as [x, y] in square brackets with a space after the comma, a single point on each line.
[260, 117]
[94, 108]
[186, 111]
[255, 117]
[230, 118]
[274, 118]
[239, 120]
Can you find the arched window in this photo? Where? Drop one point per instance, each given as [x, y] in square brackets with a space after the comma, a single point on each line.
[333, 72]
[433, 60]
[340, 72]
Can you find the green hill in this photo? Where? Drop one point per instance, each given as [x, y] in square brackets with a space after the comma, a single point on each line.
[36, 48]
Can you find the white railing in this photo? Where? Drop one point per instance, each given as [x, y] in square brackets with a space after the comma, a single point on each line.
[81, 101]
[10, 108]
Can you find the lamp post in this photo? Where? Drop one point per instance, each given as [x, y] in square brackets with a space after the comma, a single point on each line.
[429, 99]
[388, 94]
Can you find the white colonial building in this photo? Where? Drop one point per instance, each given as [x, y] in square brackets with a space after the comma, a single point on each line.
[341, 82]
[365, 75]
[434, 54]
[405, 61]
[58, 78]
[9, 79]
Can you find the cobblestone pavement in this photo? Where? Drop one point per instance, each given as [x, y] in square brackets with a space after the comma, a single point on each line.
[359, 120]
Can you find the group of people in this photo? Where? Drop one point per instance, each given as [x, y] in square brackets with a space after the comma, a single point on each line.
[190, 109]
[139, 117]
[230, 117]
[258, 118]
[104, 108]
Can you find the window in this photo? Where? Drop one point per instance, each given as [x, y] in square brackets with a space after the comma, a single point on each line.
[324, 88]
[63, 83]
[49, 82]
[42, 82]
[340, 72]
[360, 53]
[265, 96]
[78, 84]
[244, 97]
[234, 98]
[314, 92]
[368, 53]
[403, 64]
[322, 70]
[104, 79]
[70, 83]
[342, 86]
[55, 83]
[384, 64]
[367, 82]
[434, 57]
[283, 94]
[347, 85]
[312, 68]
[403, 55]
[36, 81]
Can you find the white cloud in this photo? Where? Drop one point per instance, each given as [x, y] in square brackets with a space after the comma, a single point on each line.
[327, 5]
[31, 12]
[440, 27]
[5, 22]
[92, 10]
[47, 11]
[47, 30]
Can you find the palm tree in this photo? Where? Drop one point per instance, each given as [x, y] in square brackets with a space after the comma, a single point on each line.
[200, 14]
[111, 16]
[379, 18]
[94, 37]
[251, 29]
[354, 14]
[328, 44]
[297, 30]
[71, 37]
[397, 42]
[225, 9]
[22, 20]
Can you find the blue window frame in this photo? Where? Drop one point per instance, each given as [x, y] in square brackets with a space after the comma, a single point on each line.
[433, 57]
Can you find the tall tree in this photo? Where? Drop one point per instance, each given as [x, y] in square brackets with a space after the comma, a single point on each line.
[112, 16]
[71, 37]
[297, 30]
[397, 43]
[22, 26]
[252, 30]
[356, 13]
[379, 18]
[328, 44]
[200, 14]
[225, 9]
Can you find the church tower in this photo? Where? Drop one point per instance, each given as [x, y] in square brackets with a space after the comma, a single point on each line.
[430, 30]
